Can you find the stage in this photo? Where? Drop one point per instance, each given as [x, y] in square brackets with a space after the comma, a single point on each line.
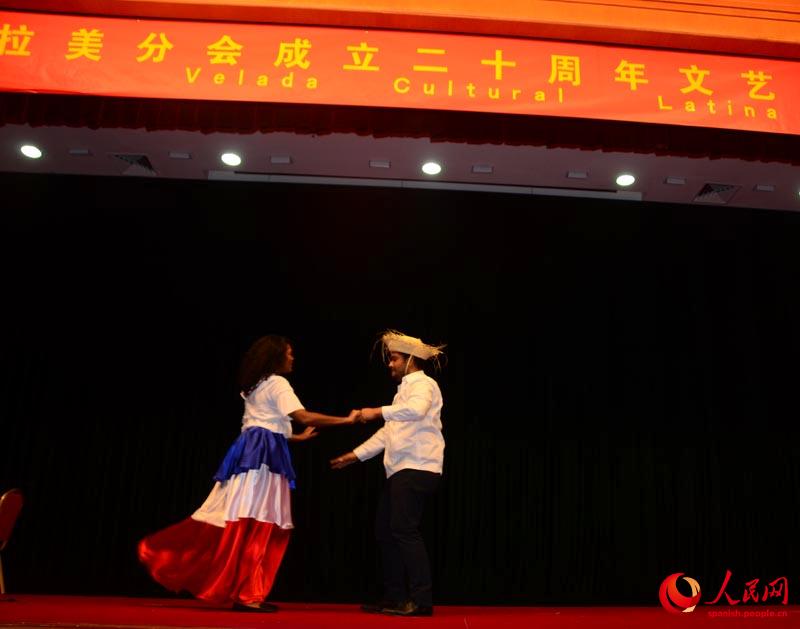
[140, 613]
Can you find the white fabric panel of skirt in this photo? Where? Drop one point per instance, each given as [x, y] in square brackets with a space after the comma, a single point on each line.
[258, 494]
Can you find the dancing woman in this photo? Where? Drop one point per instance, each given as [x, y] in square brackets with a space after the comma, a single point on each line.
[229, 550]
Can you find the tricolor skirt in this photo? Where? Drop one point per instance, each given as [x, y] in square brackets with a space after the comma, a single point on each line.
[230, 549]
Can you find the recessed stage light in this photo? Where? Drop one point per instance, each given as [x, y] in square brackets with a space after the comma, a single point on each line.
[577, 174]
[31, 151]
[280, 159]
[380, 163]
[764, 187]
[675, 181]
[482, 169]
[626, 180]
[431, 168]
[231, 159]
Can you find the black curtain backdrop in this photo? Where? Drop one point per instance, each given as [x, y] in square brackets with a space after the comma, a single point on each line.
[620, 396]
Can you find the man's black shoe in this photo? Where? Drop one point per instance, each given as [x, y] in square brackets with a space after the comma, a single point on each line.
[377, 608]
[409, 608]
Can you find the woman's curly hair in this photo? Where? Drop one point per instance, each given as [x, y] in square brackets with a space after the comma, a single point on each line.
[264, 358]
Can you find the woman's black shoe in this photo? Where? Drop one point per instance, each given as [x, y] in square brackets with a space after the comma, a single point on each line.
[264, 608]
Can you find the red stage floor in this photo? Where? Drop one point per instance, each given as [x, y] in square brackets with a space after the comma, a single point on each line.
[30, 611]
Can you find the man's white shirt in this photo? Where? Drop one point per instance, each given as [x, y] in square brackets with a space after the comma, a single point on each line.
[411, 437]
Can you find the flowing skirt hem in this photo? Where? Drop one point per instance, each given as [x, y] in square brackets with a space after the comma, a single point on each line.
[221, 565]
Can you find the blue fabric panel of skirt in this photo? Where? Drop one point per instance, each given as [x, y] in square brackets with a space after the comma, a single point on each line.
[256, 447]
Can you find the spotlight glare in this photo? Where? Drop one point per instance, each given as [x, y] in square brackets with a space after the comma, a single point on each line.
[28, 150]
[231, 159]
[625, 180]
[431, 168]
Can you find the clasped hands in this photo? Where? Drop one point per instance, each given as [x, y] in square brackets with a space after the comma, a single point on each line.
[358, 417]
[364, 415]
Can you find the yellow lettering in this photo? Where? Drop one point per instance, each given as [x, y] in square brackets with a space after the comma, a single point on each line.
[494, 93]
[712, 106]
[515, 93]
[749, 112]
[662, 105]
[241, 77]
[450, 87]
[560, 94]
[288, 80]
[689, 106]
[401, 85]
[471, 90]
[428, 89]
[192, 76]
[539, 96]
[772, 114]
[219, 78]
[312, 83]
[263, 80]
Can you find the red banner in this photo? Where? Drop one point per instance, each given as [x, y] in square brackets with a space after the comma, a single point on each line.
[299, 64]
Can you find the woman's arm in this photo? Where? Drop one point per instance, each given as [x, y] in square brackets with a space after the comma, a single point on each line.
[308, 433]
[310, 418]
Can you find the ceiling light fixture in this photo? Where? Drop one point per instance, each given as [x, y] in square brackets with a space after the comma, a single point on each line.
[380, 163]
[626, 180]
[482, 169]
[280, 159]
[431, 168]
[31, 151]
[230, 159]
[577, 174]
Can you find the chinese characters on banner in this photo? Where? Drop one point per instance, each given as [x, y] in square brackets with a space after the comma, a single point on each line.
[298, 64]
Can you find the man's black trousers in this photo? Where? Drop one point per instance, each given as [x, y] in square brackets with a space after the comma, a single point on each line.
[397, 522]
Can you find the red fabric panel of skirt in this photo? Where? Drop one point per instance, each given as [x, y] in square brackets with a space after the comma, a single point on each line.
[237, 563]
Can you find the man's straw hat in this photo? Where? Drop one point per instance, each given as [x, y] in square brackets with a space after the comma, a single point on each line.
[395, 341]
